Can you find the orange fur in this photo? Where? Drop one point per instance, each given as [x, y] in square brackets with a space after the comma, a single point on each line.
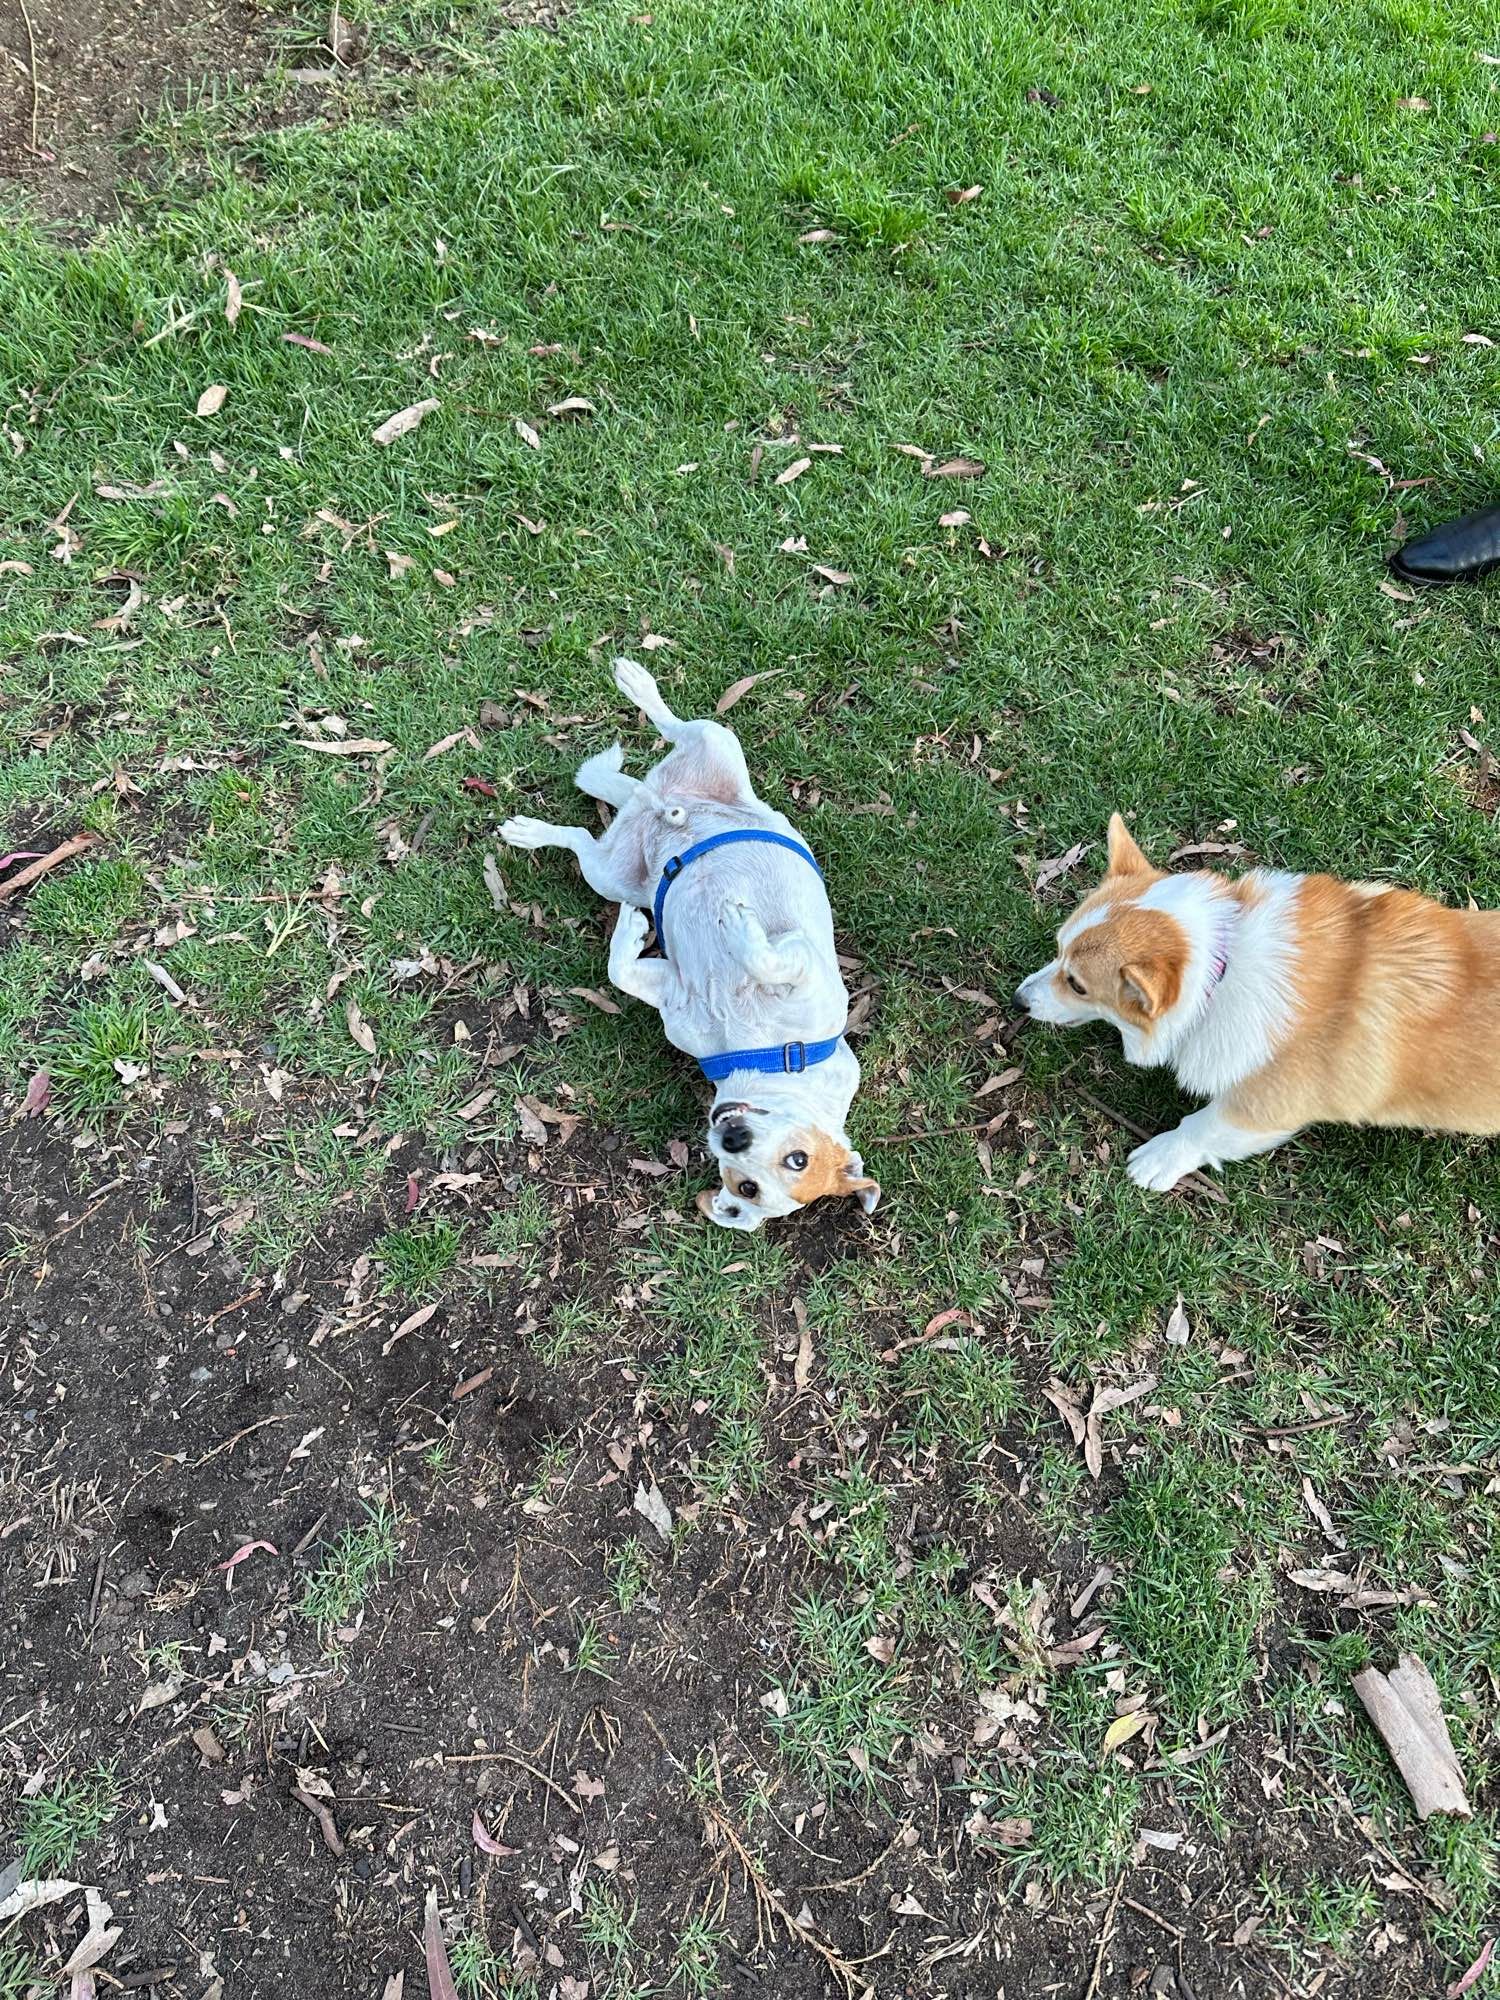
[1396, 998]
[1397, 1016]
[829, 1169]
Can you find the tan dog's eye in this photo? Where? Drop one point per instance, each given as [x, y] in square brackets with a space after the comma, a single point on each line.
[1076, 984]
[795, 1162]
[749, 1189]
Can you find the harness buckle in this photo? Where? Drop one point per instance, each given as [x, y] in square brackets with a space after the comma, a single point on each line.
[794, 1058]
[673, 868]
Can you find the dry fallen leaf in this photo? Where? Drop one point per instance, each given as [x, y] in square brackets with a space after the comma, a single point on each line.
[1123, 1728]
[351, 746]
[794, 471]
[828, 575]
[595, 998]
[960, 195]
[737, 690]
[38, 1094]
[306, 340]
[98, 1940]
[651, 1504]
[958, 517]
[530, 1124]
[28, 1896]
[818, 236]
[527, 435]
[234, 298]
[359, 1028]
[955, 468]
[1388, 589]
[1407, 1710]
[212, 399]
[485, 1841]
[1475, 1972]
[1060, 864]
[1178, 1327]
[803, 1366]
[440, 1984]
[571, 406]
[1412, 104]
[410, 1324]
[404, 421]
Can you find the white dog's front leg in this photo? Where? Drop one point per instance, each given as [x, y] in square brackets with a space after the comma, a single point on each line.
[642, 978]
[784, 963]
[1205, 1139]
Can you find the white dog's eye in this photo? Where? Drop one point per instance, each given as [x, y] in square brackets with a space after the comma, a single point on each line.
[1076, 984]
[795, 1162]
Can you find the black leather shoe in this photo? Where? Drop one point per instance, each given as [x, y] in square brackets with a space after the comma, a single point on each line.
[1457, 552]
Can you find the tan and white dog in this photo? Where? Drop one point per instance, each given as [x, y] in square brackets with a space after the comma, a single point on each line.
[1285, 1000]
[749, 983]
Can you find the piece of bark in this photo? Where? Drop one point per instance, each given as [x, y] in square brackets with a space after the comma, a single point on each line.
[1406, 1709]
[24, 877]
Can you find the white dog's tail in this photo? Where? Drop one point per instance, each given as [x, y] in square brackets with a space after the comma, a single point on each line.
[603, 777]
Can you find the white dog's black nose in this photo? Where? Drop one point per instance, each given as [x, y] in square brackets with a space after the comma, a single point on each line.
[734, 1135]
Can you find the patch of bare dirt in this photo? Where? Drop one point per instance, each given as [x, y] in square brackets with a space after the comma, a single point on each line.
[101, 67]
[182, 1442]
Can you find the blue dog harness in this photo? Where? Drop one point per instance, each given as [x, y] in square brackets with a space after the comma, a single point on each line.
[790, 1058]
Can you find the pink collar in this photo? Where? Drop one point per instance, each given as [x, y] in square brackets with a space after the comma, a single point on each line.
[1218, 966]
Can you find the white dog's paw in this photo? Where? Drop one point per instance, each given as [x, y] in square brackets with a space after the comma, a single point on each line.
[633, 681]
[1161, 1163]
[629, 939]
[524, 832]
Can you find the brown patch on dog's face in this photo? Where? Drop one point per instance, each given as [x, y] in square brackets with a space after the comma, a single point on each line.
[1131, 964]
[784, 1172]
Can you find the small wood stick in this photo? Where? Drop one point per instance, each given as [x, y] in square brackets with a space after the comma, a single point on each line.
[24, 877]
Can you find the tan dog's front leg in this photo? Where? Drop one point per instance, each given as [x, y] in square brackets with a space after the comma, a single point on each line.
[1205, 1139]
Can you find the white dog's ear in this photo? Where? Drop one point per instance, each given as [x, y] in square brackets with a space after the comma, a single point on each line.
[861, 1186]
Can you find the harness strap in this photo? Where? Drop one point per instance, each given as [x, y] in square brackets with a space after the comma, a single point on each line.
[791, 1059]
[678, 862]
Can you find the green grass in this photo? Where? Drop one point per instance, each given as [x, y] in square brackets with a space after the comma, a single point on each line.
[97, 1055]
[1195, 296]
[52, 1828]
[477, 1972]
[354, 1564]
[418, 1257]
[18, 1971]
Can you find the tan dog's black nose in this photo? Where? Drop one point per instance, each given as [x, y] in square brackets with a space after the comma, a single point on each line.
[734, 1135]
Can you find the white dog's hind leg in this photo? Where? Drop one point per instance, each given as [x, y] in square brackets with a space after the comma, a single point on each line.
[645, 979]
[593, 858]
[707, 761]
[785, 963]
[1205, 1139]
[639, 686]
[603, 777]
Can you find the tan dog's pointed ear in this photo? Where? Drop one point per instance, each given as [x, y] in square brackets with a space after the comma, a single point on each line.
[1149, 985]
[865, 1190]
[1125, 858]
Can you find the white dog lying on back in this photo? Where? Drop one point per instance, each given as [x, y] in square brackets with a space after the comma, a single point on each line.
[749, 983]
